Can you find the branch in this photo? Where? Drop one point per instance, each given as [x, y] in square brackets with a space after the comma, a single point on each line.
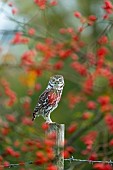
[106, 30]
[83, 129]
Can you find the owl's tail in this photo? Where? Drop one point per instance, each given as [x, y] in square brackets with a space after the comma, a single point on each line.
[35, 114]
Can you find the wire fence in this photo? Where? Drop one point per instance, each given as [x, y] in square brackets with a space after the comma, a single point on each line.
[89, 161]
[71, 159]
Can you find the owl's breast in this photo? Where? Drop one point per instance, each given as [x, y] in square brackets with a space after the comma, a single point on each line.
[54, 97]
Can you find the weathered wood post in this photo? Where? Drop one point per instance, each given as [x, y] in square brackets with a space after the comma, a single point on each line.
[58, 129]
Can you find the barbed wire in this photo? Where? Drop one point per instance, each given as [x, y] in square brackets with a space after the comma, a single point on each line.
[8, 165]
[88, 161]
[71, 159]
[16, 164]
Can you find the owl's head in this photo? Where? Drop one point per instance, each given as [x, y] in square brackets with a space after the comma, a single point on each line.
[56, 82]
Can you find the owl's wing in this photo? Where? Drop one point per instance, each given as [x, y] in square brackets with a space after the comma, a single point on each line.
[42, 102]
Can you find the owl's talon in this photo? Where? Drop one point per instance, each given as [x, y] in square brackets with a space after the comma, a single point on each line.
[48, 122]
[52, 122]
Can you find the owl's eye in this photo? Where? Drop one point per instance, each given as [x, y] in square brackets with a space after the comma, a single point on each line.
[53, 80]
[60, 80]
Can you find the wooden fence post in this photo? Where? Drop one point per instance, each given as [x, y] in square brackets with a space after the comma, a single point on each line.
[58, 129]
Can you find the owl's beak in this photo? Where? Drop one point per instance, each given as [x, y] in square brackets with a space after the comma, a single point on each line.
[56, 84]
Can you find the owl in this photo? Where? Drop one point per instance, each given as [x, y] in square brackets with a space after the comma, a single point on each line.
[49, 99]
